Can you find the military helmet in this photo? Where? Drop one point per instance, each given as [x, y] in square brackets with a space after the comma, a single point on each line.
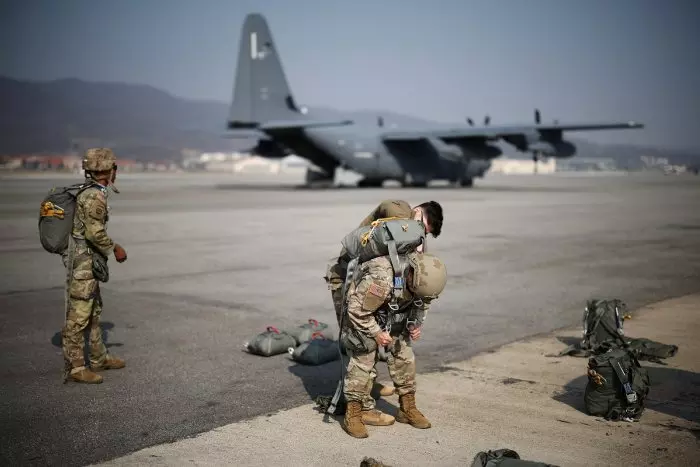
[429, 274]
[99, 159]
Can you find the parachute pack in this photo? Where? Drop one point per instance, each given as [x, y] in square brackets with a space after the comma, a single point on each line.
[617, 386]
[390, 236]
[603, 328]
[56, 216]
[309, 344]
[504, 458]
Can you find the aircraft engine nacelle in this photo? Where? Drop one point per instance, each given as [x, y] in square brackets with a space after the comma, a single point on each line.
[478, 167]
[559, 149]
[446, 151]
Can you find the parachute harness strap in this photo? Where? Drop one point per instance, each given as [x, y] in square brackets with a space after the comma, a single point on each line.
[69, 282]
[398, 275]
[375, 224]
[350, 276]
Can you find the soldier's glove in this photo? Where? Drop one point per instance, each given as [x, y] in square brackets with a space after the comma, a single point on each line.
[119, 253]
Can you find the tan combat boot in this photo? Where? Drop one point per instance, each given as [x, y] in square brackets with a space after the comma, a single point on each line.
[377, 418]
[110, 363]
[352, 423]
[383, 389]
[85, 376]
[408, 413]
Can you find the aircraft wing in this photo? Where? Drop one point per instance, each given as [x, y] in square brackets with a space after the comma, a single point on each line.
[498, 132]
[243, 130]
[418, 135]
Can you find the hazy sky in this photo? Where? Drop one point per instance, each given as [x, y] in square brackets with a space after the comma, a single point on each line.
[440, 59]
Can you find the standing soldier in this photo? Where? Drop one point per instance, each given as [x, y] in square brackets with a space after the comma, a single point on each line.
[86, 261]
[370, 323]
[430, 213]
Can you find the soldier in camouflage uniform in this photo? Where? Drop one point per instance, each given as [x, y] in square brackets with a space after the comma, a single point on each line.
[84, 301]
[368, 297]
[430, 213]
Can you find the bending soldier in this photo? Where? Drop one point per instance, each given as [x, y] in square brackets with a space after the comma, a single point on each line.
[430, 213]
[370, 323]
[86, 264]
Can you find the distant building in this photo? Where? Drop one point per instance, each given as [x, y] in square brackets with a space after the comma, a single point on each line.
[587, 164]
[523, 166]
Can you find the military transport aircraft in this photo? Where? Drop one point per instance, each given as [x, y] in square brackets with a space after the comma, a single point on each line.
[263, 108]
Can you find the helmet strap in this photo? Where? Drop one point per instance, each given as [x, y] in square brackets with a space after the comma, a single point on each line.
[112, 177]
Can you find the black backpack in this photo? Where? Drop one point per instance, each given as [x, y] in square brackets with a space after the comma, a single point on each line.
[603, 324]
[56, 216]
[617, 385]
[504, 458]
[603, 329]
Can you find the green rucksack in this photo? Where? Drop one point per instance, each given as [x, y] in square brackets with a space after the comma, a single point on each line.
[617, 386]
[603, 322]
[56, 216]
[384, 237]
[390, 236]
[270, 342]
[603, 329]
[504, 458]
[305, 332]
[316, 351]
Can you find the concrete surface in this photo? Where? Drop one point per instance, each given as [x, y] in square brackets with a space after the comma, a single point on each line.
[515, 397]
[213, 259]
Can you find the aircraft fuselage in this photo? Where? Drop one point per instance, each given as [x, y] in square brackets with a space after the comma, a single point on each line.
[362, 150]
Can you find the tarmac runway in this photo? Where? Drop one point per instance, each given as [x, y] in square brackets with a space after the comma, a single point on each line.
[213, 259]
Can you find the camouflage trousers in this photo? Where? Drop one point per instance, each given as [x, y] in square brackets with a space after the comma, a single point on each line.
[84, 307]
[335, 278]
[361, 370]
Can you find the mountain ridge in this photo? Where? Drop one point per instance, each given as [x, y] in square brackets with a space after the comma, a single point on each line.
[147, 123]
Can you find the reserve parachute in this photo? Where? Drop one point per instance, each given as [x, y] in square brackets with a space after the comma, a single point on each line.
[387, 236]
[392, 236]
[56, 216]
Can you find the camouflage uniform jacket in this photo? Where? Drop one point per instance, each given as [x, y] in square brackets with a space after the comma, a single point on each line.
[90, 221]
[371, 293]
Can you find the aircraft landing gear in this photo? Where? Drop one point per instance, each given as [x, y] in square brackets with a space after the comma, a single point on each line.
[318, 179]
[370, 183]
[467, 182]
[409, 182]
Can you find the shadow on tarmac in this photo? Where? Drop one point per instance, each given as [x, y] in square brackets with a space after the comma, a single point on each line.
[475, 189]
[106, 326]
[322, 380]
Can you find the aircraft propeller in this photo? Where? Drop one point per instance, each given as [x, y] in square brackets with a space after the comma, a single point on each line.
[487, 120]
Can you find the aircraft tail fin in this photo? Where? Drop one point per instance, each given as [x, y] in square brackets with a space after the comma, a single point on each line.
[260, 91]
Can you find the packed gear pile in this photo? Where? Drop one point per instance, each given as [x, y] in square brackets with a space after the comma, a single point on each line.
[309, 344]
[617, 384]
